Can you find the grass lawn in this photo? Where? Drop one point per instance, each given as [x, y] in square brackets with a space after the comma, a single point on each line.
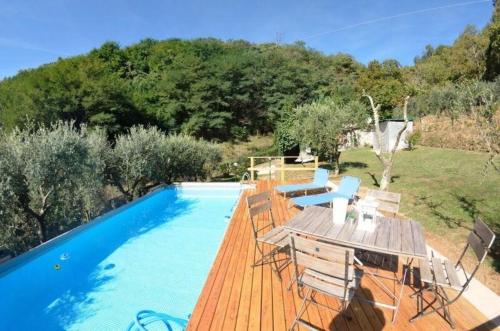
[444, 189]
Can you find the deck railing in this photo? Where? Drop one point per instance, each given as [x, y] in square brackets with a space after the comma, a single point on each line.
[282, 168]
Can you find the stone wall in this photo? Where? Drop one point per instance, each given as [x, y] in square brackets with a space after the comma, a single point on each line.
[442, 132]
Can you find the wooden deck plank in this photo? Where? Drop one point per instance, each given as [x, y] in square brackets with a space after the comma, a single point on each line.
[357, 312]
[206, 293]
[370, 313]
[229, 320]
[225, 294]
[210, 311]
[285, 300]
[256, 298]
[267, 295]
[238, 297]
[241, 319]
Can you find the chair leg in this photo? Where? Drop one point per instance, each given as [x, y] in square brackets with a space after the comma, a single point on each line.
[291, 283]
[270, 258]
[443, 302]
[422, 311]
[275, 268]
[420, 303]
[416, 293]
[301, 310]
[260, 261]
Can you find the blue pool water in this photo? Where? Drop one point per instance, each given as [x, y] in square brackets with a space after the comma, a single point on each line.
[154, 254]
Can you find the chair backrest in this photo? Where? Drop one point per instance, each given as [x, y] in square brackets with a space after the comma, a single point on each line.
[349, 186]
[258, 204]
[258, 198]
[320, 177]
[387, 201]
[480, 239]
[326, 259]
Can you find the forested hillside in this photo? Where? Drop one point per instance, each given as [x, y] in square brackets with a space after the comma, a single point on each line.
[227, 90]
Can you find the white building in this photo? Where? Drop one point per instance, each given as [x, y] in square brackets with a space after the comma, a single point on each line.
[389, 130]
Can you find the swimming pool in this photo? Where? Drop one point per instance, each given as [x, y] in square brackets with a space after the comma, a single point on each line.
[153, 254]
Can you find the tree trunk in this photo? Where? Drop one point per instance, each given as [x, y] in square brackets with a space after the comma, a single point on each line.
[386, 159]
[42, 229]
[386, 176]
[337, 163]
[40, 222]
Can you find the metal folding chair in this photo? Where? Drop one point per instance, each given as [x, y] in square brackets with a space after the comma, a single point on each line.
[276, 236]
[440, 275]
[326, 269]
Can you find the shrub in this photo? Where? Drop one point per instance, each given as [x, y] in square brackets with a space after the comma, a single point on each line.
[146, 157]
[239, 133]
[413, 139]
[186, 158]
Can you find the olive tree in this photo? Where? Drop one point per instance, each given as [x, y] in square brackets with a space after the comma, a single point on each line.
[146, 157]
[186, 158]
[16, 233]
[325, 126]
[386, 158]
[52, 179]
[135, 160]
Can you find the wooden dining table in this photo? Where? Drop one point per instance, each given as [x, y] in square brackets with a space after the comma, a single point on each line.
[391, 236]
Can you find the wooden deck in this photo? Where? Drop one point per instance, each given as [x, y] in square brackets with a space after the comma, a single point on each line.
[239, 297]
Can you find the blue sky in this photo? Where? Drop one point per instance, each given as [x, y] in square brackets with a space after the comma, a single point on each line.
[37, 32]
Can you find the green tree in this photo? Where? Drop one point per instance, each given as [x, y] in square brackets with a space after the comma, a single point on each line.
[464, 60]
[203, 87]
[325, 126]
[135, 161]
[53, 178]
[283, 135]
[493, 51]
[386, 82]
[186, 158]
[146, 157]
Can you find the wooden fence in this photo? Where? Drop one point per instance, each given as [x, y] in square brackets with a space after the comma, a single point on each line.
[281, 169]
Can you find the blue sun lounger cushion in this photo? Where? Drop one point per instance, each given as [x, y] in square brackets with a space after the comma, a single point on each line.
[319, 182]
[348, 187]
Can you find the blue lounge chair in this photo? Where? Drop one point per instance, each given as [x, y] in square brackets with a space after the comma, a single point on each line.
[348, 187]
[319, 182]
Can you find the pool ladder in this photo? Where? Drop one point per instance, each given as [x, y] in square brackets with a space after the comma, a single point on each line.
[246, 176]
